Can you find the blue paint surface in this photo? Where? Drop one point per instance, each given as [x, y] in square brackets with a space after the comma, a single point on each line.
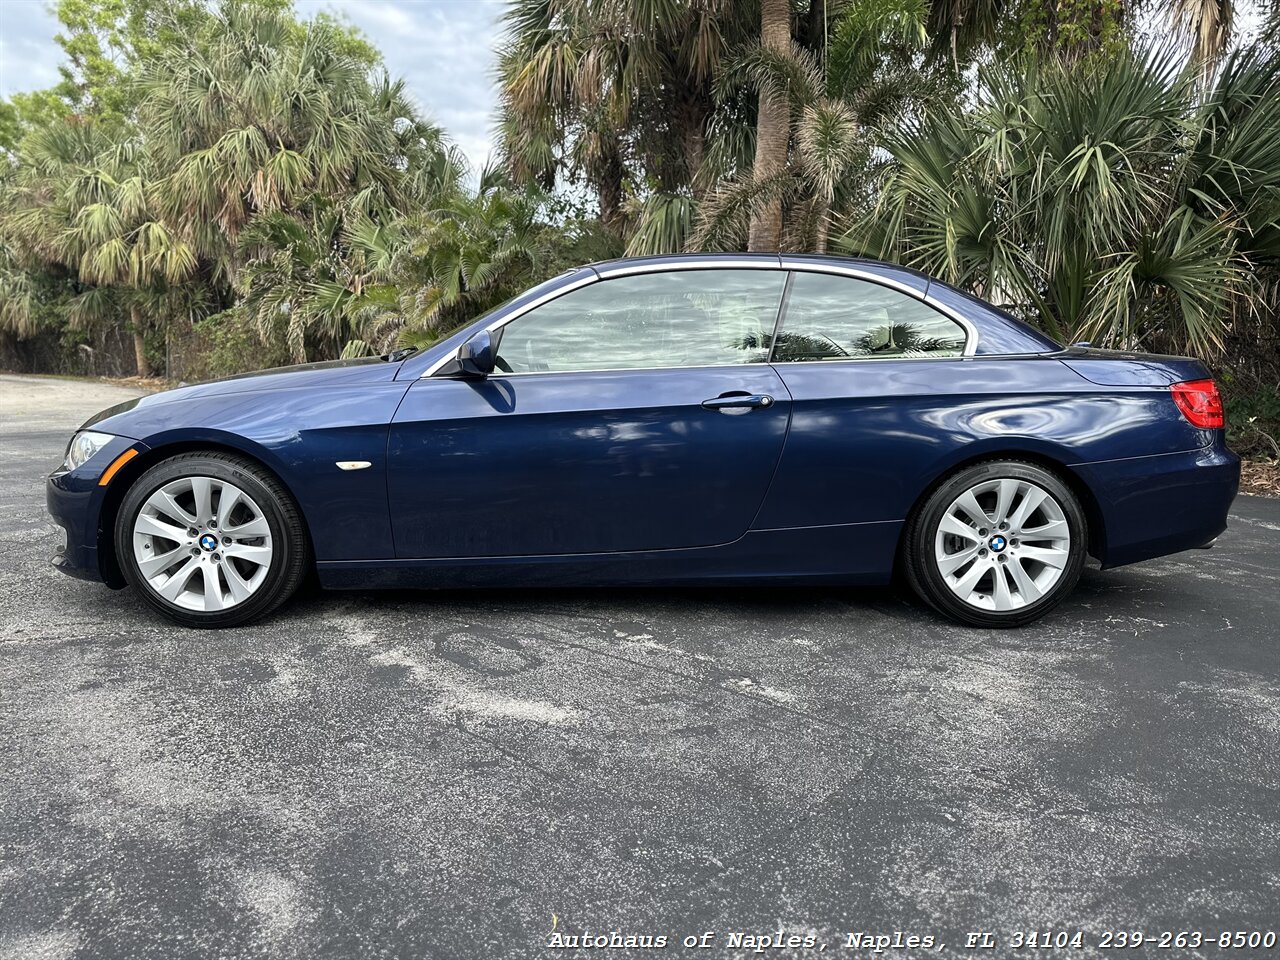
[623, 476]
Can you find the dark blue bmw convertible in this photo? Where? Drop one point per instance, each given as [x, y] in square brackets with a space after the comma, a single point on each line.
[690, 419]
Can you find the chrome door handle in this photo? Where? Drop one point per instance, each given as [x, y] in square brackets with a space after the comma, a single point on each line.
[738, 401]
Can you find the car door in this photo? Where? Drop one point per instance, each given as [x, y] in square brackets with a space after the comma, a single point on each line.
[879, 387]
[637, 412]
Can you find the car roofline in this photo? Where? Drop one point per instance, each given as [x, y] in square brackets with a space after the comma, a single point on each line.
[783, 259]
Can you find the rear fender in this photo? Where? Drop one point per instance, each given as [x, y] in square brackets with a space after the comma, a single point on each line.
[1052, 457]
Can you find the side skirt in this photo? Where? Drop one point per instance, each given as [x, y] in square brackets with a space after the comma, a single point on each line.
[859, 554]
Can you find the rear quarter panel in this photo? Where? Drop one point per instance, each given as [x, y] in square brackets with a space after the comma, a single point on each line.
[870, 437]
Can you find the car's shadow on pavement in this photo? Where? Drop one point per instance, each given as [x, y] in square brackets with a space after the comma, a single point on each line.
[1105, 604]
[1106, 594]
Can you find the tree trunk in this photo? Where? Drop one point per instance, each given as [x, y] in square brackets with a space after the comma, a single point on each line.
[609, 175]
[694, 137]
[815, 29]
[610, 197]
[823, 231]
[773, 130]
[139, 345]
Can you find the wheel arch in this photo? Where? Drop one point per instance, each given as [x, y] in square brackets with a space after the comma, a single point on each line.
[154, 451]
[1054, 464]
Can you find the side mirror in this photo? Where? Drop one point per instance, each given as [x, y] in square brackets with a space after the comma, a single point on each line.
[477, 357]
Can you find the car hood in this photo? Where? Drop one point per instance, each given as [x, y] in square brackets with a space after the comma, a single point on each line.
[305, 375]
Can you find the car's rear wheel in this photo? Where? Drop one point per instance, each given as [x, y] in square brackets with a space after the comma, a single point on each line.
[211, 540]
[998, 544]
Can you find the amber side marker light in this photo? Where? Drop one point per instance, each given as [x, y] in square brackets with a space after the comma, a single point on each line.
[1200, 403]
[116, 464]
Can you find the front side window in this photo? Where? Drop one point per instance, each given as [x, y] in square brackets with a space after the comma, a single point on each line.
[830, 317]
[681, 318]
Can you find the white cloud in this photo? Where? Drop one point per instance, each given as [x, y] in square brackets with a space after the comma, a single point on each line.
[28, 56]
[444, 51]
[442, 48]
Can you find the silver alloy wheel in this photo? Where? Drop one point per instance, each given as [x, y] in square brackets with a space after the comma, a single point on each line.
[204, 526]
[1002, 544]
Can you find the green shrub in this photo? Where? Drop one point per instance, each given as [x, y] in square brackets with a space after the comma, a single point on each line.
[233, 344]
[1253, 421]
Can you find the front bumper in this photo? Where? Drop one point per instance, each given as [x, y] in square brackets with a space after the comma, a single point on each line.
[76, 503]
[1153, 506]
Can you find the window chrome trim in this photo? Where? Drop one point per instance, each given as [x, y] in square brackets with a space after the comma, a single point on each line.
[708, 263]
[779, 262]
[778, 367]
[753, 365]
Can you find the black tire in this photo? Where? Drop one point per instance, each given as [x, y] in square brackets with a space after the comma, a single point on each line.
[920, 562]
[291, 550]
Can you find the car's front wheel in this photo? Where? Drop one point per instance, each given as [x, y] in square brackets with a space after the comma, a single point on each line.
[211, 540]
[998, 544]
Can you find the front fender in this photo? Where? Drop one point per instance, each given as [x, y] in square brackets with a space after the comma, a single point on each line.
[299, 435]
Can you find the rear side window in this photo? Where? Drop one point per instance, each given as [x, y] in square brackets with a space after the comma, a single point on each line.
[829, 317]
[677, 319]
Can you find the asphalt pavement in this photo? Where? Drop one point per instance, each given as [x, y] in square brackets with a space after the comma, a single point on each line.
[458, 775]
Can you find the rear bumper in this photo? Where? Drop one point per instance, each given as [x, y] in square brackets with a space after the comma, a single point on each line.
[1153, 506]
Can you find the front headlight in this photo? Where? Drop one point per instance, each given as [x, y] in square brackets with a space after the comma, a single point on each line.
[83, 446]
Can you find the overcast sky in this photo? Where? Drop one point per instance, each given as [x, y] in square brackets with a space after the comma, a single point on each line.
[443, 49]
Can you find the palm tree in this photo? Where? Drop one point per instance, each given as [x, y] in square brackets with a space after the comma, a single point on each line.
[620, 92]
[874, 67]
[256, 116]
[659, 106]
[19, 293]
[86, 203]
[470, 253]
[958, 26]
[785, 206]
[773, 129]
[267, 160]
[1115, 205]
[322, 279]
[1207, 25]
[903, 339]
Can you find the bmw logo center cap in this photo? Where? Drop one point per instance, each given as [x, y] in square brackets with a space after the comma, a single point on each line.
[996, 543]
[209, 541]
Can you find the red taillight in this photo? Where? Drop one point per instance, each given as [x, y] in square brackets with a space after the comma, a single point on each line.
[1200, 403]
